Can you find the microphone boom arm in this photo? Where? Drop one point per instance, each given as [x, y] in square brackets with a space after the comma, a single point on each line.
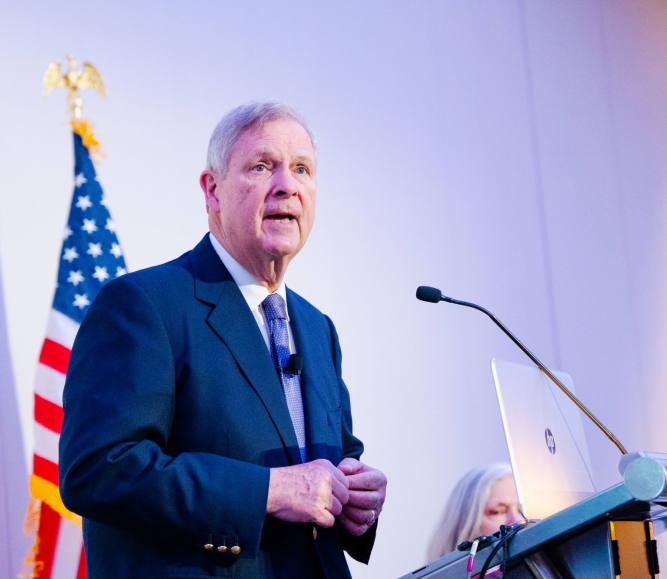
[542, 367]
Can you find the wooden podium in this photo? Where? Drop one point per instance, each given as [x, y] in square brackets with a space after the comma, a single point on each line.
[607, 536]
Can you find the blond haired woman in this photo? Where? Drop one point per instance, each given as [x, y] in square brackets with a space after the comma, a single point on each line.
[481, 501]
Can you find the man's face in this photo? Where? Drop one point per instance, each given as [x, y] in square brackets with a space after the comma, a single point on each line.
[266, 199]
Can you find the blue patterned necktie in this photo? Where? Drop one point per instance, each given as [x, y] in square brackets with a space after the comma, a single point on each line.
[276, 315]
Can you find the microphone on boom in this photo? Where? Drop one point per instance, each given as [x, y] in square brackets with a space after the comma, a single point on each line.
[429, 294]
[433, 295]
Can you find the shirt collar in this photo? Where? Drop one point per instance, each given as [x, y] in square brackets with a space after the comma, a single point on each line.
[253, 292]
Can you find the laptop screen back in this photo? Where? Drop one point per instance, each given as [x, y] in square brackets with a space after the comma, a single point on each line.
[545, 438]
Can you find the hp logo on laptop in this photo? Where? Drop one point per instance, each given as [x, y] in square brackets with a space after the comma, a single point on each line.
[551, 442]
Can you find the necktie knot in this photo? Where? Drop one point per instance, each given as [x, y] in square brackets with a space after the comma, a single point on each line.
[274, 307]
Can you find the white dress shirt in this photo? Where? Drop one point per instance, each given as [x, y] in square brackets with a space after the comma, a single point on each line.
[253, 292]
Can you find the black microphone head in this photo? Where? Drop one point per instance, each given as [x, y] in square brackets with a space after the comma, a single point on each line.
[294, 364]
[429, 294]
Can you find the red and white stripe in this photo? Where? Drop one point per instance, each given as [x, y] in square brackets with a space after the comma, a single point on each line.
[60, 543]
[60, 548]
[49, 383]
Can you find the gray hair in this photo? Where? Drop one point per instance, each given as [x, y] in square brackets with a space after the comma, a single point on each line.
[464, 509]
[247, 116]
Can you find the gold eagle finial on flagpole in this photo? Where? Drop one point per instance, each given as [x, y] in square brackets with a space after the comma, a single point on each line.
[73, 80]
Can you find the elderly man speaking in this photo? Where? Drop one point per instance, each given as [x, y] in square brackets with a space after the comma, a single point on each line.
[207, 428]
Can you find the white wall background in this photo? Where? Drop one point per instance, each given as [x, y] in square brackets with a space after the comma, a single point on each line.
[511, 153]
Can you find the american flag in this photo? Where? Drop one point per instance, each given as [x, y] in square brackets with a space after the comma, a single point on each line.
[90, 256]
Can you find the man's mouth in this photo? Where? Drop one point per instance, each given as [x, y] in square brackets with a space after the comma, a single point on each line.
[281, 217]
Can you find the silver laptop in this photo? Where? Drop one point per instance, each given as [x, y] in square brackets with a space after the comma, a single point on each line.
[545, 438]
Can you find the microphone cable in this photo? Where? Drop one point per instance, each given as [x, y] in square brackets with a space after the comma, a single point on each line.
[507, 532]
[472, 548]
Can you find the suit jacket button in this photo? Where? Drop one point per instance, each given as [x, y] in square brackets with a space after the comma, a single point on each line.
[208, 547]
[235, 550]
[222, 548]
[314, 533]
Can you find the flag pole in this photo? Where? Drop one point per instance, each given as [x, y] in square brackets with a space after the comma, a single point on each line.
[91, 255]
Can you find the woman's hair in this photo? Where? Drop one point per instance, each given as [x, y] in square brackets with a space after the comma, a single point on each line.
[464, 509]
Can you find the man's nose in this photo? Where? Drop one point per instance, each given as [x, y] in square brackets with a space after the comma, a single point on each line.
[285, 183]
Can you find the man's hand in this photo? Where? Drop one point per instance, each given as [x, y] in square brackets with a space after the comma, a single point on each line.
[368, 488]
[314, 492]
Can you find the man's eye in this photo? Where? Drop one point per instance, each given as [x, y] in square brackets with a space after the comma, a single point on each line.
[259, 168]
[301, 170]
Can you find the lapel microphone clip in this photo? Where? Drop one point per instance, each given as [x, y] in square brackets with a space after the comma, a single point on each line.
[294, 365]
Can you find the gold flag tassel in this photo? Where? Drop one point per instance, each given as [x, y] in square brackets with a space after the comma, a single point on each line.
[84, 128]
[31, 566]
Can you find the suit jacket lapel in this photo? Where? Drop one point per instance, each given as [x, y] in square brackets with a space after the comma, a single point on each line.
[233, 322]
[314, 379]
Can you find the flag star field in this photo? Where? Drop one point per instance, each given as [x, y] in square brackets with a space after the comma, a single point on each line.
[91, 254]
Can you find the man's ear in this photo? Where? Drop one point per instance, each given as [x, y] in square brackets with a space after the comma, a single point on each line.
[209, 185]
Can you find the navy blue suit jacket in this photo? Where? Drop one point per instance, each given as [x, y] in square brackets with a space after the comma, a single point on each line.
[173, 416]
